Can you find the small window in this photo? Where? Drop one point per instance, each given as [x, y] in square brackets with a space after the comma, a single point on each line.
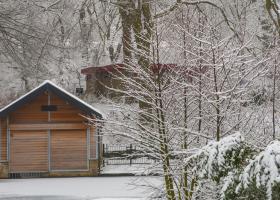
[107, 75]
[79, 90]
[88, 77]
[47, 108]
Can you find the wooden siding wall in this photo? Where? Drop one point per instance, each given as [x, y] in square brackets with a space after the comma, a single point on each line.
[31, 112]
[69, 150]
[29, 151]
[65, 112]
[68, 134]
[3, 139]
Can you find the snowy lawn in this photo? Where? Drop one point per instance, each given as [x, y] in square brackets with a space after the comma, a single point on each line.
[89, 188]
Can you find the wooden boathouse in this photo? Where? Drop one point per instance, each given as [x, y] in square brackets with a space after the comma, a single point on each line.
[45, 132]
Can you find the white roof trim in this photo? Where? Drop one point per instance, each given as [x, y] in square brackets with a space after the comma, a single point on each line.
[59, 88]
[18, 99]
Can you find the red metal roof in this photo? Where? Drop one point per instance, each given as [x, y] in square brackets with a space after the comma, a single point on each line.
[188, 72]
[119, 66]
[93, 69]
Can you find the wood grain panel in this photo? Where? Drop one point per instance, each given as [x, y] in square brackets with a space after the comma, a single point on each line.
[3, 144]
[66, 112]
[48, 126]
[31, 111]
[61, 116]
[69, 150]
[29, 151]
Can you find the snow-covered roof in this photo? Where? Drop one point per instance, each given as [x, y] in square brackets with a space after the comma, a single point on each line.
[48, 85]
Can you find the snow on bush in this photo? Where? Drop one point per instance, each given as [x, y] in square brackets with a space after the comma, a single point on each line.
[263, 170]
[218, 158]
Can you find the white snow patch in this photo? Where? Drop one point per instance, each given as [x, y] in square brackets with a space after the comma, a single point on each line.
[87, 188]
[265, 168]
[213, 155]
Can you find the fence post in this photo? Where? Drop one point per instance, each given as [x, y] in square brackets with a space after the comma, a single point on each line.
[130, 161]
[103, 152]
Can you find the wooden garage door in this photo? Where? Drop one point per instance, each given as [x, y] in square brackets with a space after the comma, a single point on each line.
[68, 150]
[29, 151]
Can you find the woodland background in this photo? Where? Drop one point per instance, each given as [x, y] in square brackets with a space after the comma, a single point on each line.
[227, 79]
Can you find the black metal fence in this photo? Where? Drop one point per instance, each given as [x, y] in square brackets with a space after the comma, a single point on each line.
[125, 155]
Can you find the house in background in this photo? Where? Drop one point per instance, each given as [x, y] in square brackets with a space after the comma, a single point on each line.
[45, 133]
[99, 79]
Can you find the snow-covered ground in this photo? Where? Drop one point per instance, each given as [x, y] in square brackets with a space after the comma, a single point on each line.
[89, 188]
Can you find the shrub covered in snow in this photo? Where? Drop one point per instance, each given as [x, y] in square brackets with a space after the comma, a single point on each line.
[238, 170]
[217, 159]
[260, 179]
